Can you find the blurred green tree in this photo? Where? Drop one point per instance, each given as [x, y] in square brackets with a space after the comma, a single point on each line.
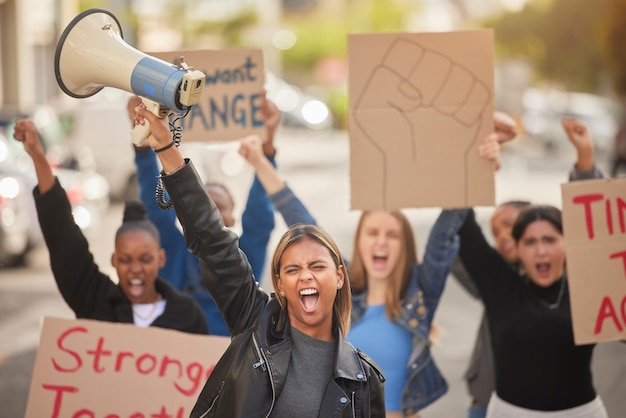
[320, 35]
[614, 40]
[562, 38]
[174, 15]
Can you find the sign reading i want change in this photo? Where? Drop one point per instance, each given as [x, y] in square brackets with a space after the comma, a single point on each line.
[230, 104]
[87, 368]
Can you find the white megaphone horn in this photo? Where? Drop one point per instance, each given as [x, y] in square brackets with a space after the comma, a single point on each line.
[91, 54]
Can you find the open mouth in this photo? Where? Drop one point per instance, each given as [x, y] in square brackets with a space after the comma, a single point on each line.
[543, 268]
[135, 287]
[309, 298]
[379, 260]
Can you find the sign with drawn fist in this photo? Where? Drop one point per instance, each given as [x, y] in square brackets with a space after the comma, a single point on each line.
[420, 105]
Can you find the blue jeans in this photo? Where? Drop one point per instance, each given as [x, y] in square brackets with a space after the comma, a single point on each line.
[477, 411]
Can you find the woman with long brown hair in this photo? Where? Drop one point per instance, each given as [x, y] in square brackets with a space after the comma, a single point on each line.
[394, 296]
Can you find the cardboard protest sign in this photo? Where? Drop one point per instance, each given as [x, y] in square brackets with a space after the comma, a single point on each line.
[101, 369]
[230, 105]
[594, 223]
[420, 105]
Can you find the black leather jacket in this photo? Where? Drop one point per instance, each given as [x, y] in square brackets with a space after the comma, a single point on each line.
[250, 375]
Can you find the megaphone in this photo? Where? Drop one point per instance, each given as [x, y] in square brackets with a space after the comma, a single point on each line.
[91, 54]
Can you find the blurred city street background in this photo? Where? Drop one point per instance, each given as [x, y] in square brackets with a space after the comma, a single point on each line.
[316, 165]
[554, 59]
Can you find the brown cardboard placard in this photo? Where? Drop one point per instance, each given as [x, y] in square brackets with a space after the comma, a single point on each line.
[420, 106]
[113, 369]
[230, 103]
[594, 227]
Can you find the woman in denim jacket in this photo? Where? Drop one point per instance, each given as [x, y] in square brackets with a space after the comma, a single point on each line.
[394, 297]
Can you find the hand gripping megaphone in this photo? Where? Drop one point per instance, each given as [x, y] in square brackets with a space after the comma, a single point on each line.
[91, 54]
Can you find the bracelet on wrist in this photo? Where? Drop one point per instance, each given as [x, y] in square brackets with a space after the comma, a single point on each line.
[168, 146]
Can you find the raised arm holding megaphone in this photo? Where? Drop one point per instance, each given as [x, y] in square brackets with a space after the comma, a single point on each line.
[91, 55]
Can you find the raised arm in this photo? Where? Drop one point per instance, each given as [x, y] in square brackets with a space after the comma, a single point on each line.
[284, 200]
[26, 133]
[442, 246]
[227, 273]
[504, 126]
[176, 266]
[483, 262]
[83, 287]
[441, 249]
[580, 137]
[504, 130]
[257, 220]
[251, 149]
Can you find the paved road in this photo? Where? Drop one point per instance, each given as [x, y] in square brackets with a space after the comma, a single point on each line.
[316, 167]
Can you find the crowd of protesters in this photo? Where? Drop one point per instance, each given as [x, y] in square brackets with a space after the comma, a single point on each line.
[328, 322]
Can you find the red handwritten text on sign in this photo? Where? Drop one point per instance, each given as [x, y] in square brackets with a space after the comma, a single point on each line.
[594, 226]
[83, 365]
[186, 378]
[619, 205]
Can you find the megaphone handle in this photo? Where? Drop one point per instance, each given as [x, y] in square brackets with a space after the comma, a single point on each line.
[139, 134]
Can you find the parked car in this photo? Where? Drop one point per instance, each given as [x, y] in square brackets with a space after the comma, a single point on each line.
[100, 128]
[18, 235]
[298, 108]
[98, 140]
[88, 194]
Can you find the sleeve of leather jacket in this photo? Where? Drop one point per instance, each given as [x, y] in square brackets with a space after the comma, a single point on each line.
[375, 391]
[377, 395]
[226, 271]
[172, 241]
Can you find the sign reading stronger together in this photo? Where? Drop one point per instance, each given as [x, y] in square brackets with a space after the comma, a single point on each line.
[420, 106]
[87, 368]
